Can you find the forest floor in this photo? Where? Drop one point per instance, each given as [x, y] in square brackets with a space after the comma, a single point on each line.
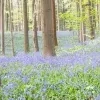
[74, 73]
[69, 49]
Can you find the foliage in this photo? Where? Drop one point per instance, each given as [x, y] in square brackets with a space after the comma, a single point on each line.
[49, 83]
[73, 75]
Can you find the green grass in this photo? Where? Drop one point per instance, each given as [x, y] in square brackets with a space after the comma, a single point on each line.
[52, 84]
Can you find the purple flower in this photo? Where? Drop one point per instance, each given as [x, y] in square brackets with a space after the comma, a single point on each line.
[98, 97]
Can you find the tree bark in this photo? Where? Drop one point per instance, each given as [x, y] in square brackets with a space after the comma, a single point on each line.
[35, 37]
[0, 15]
[48, 43]
[7, 16]
[91, 18]
[26, 37]
[33, 6]
[58, 21]
[54, 23]
[11, 26]
[39, 15]
[2, 29]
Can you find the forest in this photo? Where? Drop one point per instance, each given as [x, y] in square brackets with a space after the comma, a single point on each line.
[49, 49]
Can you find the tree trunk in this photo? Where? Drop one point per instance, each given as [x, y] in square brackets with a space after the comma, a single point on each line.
[7, 16]
[33, 6]
[39, 15]
[91, 18]
[26, 37]
[54, 23]
[81, 24]
[48, 43]
[0, 15]
[35, 37]
[11, 26]
[58, 21]
[98, 16]
[18, 24]
[2, 28]
[78, 15]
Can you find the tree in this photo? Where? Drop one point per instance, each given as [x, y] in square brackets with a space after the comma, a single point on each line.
[7, 16]
[11, 25]
[35, 37]
[54, 22]
[0, 15]
[39, 14]
[47, 31]
[2, 28]
[58, 24]
[82, 24]
[92, 19]
[33, 6]
[26, 38]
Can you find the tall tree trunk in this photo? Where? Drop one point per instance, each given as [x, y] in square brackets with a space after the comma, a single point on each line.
[63, 19]
[78, 15]
[2, 28]
[91, 18]
[21, 11]
[18, 24]
[0, 15]
[33, 6]
[54, 23]
[58, 21]
[7, 16]
[35, 37]
[39, 15]
[81, 24]
[11, 3]
[98, 5]
[26, 37]
[81, 28]
[11, 26]
[48, 43]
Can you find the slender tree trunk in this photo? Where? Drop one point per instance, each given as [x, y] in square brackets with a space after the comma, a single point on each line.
[78, 15]
[98, 16]
[35, 37]
[18, 24]
[39, 15]
[12, 19]
[63, 12]
[26, 37]
[54, 23]
[0, 15]
[84, 25]
[58, 21]
[7, 16]
[11, 26]
[48, 43]
[21, 11]
[81, 24]
[33, 6]
[2, 28]
[91, 18]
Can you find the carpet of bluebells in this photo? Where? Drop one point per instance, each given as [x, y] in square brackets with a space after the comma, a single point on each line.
[74, 74]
